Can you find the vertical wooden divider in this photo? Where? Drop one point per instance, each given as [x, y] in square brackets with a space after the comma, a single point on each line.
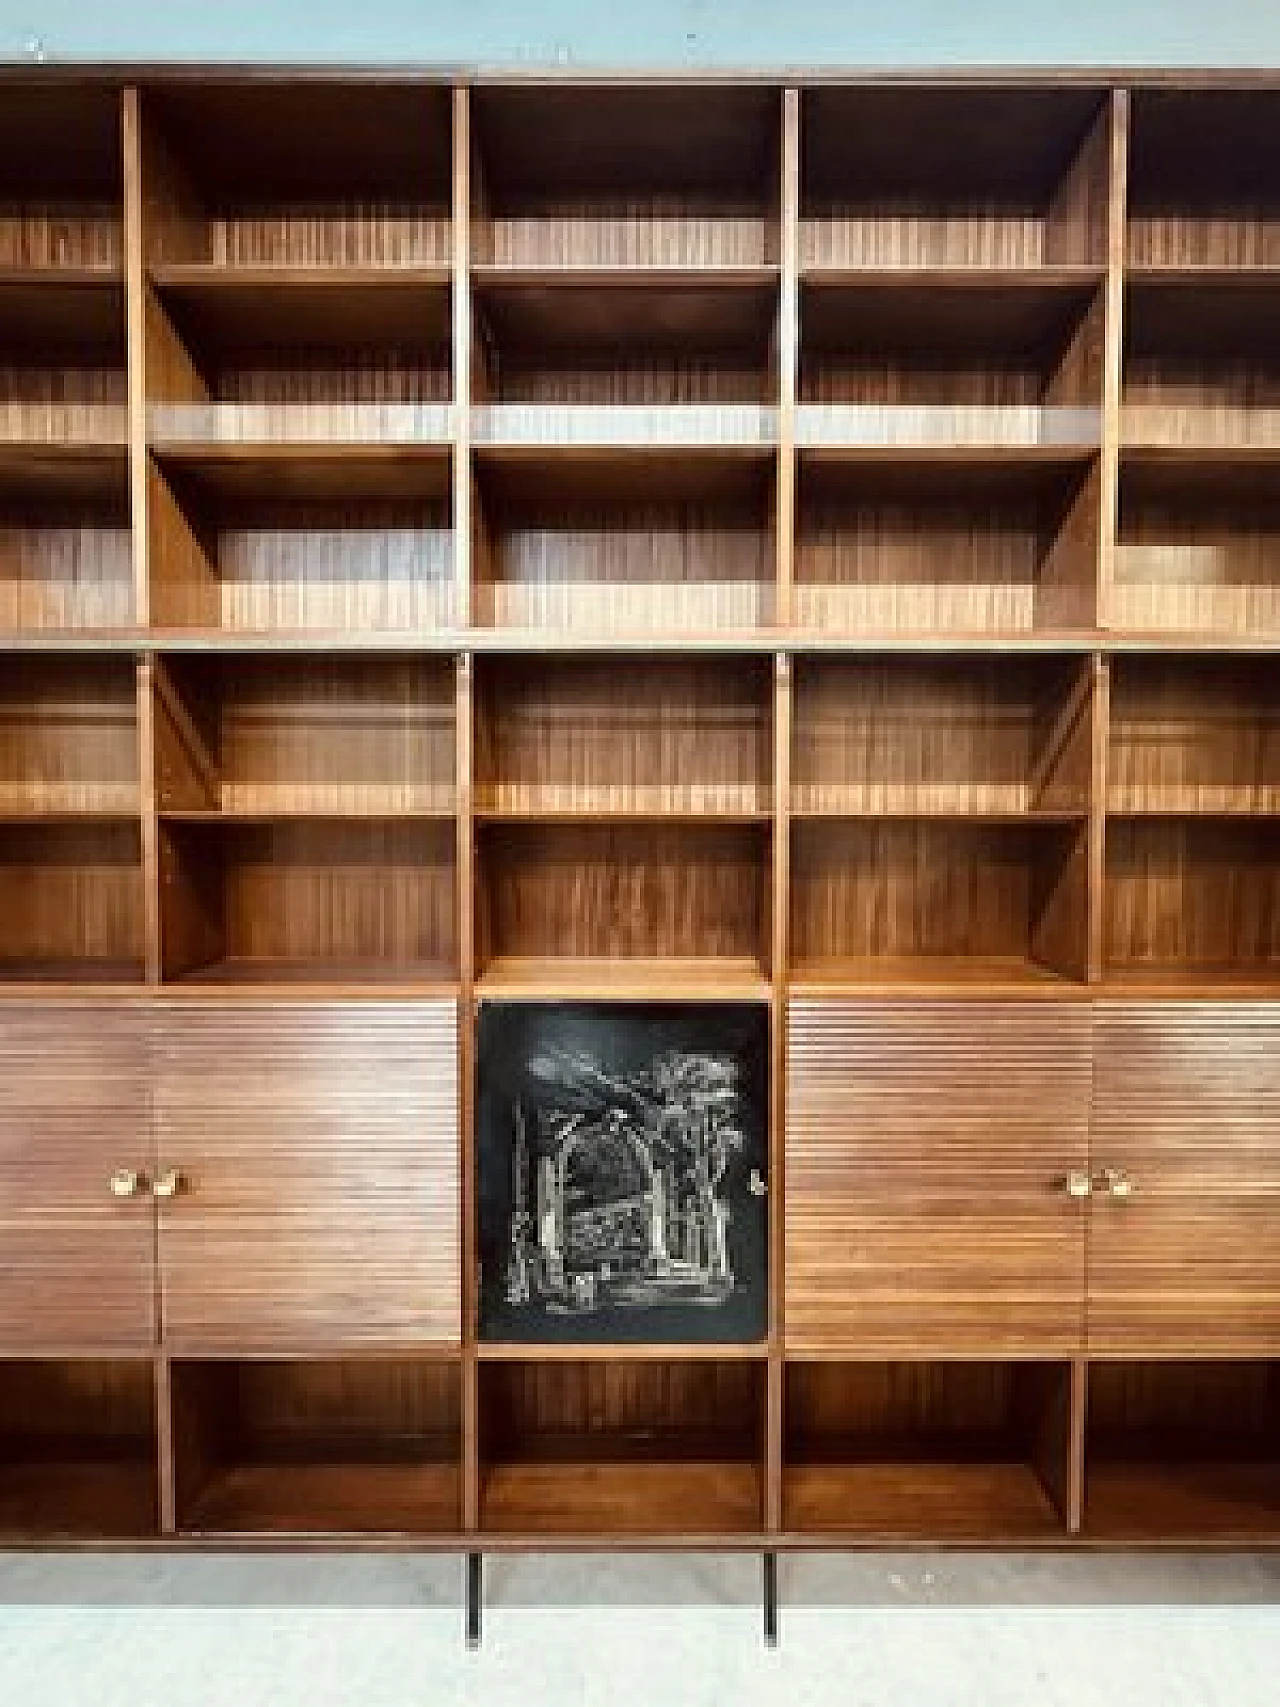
[135, 355]
[784, 529]
[462, 530]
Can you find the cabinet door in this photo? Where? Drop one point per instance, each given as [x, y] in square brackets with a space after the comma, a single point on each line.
[1188, 1108]
[317, 1149]
[928, 1146]
[76, 1261]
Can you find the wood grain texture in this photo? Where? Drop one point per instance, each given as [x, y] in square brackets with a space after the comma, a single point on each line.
[1185, 1103]
[321, 1195]
[71, 901]
[368, 1445]
[77, 1261]
[77, 1450]
[594, 737]
[68, 738]
[927, 1145]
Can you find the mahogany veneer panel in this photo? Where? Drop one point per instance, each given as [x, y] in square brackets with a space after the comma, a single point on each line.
[77, 1450]
[1187, 1103]
[927, 1146]
[596, 737]
[76, 1261]
[1183, 1452]
[318, 1148]
[371, 1445]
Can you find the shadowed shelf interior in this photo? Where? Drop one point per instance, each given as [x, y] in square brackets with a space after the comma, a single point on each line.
[602, 549]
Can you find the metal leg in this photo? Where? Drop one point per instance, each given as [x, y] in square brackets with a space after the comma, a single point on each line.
[770, 1562]
[475, 1597]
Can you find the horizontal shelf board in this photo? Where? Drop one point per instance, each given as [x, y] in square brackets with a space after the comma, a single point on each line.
[423, 978]
[72, 972]
[1209, 275]
[319, 814]
[281, 429]
[644, 275]
[71, 1498]
[852, 810]
[227, 469]
[608, 1498]
[709, 427]
[1190, 978]
[1047, 279]
[910, 1501]
[13, 813]
[44, 469]
[1188, 1502]
[650, 979]
[985, 974]
[1183, 808]
[1202, 456]
[317, 276]
[330, 1499]
[946, 432]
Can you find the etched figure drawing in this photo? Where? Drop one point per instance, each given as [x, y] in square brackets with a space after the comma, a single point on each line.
[632, 1143]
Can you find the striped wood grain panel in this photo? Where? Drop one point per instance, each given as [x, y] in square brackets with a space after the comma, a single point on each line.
[76, 1262]
[65, 566]
[1187, 1102]
[319, 1146]
[927, 1143]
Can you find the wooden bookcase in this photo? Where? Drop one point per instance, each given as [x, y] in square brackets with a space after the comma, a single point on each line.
[815, 546]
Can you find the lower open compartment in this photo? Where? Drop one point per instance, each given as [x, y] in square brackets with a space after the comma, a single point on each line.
[622, 1447]
[1183, 1452]
[78, 1457]
[938, 1451]
[309, 1446]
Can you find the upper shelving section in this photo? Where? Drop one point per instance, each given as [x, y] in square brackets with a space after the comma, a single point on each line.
[1203, 199]
[952, 179]
[669, 178]
[61, 186]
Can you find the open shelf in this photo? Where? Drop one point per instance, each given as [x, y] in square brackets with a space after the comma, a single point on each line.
[275, 1447]
[649, 545]
[299, 175]
[1183, 1452]
[62, 369]
[323, 901]
[78, 1453]
[343, 546]
[71, 901]
[293, 365]
[941, 1452]
[1194, 736]
[1191, 901]
[960, 178]
[1201, 373]
[590, 738]
[679, 364]
[552, 896]
[61, 183]
[923, 367]
[1198, 554]
[937, 902]
[1201, 195]
[945, 549]
[622, 1447]
[1003, 739]
[68, 739]
[675, 177]
[242, 737]
[65, 566]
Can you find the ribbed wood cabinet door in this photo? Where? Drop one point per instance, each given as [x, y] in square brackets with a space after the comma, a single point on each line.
[1188, 1110]
[928, 1146]
[77, 1262]
[317, 1149]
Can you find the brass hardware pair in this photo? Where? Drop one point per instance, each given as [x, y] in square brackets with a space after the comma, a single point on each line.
[1112, 1182]
[128, 1182]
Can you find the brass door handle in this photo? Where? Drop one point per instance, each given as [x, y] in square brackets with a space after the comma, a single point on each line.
[127, 1182]
[1078, 1184]
[170, 1183]
[1116, 1183]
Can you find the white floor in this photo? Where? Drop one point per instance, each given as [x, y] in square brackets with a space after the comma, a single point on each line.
[911, 1631]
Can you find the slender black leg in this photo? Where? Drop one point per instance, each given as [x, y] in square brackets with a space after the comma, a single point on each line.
[770, 1600]
[475, 1597]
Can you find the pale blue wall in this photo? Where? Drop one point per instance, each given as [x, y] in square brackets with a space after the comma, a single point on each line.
[652, 32]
